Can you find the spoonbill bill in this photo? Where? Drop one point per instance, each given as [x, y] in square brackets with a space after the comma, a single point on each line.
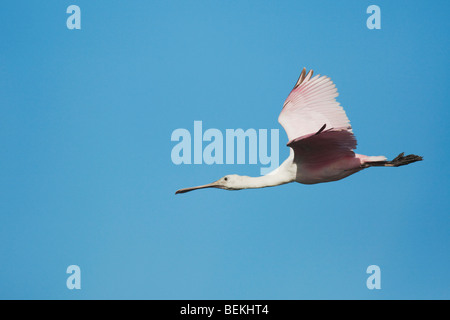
[320, 138]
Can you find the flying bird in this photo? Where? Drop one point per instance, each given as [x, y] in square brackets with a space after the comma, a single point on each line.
[321, 141]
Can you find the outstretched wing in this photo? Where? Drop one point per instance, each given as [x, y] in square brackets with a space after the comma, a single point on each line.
[315, 123]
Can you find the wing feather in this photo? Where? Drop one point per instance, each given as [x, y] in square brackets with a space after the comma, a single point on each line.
[311, 104]
[316, 124]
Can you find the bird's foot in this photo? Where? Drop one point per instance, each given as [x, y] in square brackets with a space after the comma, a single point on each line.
[402, 160]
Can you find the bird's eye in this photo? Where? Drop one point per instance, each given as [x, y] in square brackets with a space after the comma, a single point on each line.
[226, 179]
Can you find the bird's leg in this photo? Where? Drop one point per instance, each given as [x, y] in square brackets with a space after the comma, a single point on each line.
[400, 160]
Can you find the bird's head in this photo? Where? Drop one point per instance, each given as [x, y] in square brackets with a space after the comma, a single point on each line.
[229, 182]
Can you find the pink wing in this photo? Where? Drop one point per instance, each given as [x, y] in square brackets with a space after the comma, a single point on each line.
[329, 146]
[315, 123]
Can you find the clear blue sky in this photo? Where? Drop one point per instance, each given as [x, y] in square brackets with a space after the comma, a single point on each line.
[86, 175]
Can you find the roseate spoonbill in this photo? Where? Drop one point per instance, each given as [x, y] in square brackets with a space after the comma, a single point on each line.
[320, 138]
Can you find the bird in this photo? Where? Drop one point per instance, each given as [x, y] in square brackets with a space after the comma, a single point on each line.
[320, 138]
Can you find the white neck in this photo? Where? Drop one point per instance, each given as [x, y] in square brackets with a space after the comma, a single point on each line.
[285, 173]
[263, 181]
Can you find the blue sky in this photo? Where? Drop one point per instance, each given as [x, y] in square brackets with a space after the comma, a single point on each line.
[86, 118]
